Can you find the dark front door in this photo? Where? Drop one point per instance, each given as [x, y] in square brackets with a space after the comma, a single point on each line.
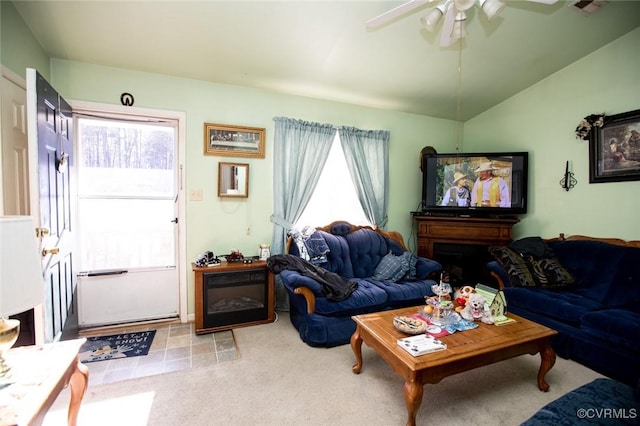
[55, 160]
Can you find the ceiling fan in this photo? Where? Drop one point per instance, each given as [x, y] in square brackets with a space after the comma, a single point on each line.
[452, 10]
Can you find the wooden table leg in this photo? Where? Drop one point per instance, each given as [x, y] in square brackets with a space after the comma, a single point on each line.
[356, 347]
[78, 385]
[413, 391]
[547, 360]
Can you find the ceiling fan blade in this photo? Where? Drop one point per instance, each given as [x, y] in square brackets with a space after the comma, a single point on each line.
[447, 27]
[396, 12]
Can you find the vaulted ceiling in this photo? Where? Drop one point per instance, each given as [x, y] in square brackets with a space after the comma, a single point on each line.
[321, 49]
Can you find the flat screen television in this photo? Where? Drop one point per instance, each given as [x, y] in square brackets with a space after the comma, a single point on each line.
[475, 184]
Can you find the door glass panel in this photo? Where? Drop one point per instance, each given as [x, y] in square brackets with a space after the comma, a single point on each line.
[126, 194]
[128, 159]
[126, 234]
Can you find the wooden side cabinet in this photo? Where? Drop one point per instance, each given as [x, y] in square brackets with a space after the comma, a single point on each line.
[233, 295]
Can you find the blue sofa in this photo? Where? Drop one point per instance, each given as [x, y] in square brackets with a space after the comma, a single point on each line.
[600, 402]
[595, 307]
[358, 255]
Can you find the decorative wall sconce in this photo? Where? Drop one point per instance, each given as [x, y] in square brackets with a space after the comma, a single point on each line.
[568, 181]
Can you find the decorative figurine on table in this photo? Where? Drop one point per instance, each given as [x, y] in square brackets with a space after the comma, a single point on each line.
[461, 295]
[477, 308]
[234, 256]
[440, 306]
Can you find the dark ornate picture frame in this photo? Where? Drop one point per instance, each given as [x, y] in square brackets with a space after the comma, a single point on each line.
[614, 149]
[233, 141]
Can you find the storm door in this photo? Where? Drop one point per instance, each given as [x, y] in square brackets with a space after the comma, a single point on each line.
[127, 219]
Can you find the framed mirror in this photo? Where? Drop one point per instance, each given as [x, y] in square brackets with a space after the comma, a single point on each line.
[233, 180]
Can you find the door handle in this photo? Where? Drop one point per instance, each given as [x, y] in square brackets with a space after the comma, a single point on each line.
[41, 232]
[54, 250]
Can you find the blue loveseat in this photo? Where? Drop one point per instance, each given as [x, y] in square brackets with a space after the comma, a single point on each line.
[357, 254]
[595, 307]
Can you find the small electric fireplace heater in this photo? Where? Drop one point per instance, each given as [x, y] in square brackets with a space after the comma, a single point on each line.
[234, 298]
[233, 295]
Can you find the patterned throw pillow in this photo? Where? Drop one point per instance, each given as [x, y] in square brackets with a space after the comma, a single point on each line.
[529, 271]
[390, 268]
[549, 273]
[514, 265]
[410, 260]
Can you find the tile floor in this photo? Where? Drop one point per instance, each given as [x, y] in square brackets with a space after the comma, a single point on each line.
[175, 347]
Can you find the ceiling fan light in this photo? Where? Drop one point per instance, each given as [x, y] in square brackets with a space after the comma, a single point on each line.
[431, 19]
[491, 8]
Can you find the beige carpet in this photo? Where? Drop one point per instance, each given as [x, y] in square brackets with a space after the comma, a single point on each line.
[279, 380]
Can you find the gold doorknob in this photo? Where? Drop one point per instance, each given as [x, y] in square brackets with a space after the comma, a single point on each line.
[54, 250]
[41, 232]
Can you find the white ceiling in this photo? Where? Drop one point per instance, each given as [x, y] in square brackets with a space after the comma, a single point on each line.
[321, 49]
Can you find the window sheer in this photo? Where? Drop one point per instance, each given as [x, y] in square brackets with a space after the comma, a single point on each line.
[334, 197]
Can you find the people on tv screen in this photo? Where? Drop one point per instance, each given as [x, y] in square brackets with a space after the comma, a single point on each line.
[459, 194]
[489, 190]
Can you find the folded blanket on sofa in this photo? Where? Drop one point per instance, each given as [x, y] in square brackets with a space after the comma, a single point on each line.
[333, 285]
[534, 246]
[311, 245]
[316, 245]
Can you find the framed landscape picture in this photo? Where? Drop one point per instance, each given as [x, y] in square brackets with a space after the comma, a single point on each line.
[614, 149]
[233, 141]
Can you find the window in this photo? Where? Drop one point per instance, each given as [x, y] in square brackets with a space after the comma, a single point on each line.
[335, 196]
[126, 194]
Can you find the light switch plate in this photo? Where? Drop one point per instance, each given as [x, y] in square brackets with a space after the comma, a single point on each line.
[195, 195]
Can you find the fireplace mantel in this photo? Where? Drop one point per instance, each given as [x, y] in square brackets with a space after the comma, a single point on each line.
[467, 232]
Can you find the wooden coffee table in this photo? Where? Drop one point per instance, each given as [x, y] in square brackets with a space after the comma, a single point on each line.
[466, 350]
[37, 376]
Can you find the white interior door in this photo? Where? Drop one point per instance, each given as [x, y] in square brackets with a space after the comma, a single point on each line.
[15, 157]
[127, 220]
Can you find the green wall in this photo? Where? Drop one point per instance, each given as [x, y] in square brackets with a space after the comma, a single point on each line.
[19, 49]
[542, 120]
[229, 220]
[223, 224]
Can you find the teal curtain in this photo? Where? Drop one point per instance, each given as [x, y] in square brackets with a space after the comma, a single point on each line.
[367, 156]
[301, 149]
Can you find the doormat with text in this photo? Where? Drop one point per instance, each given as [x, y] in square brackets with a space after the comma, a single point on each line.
[124, 345]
